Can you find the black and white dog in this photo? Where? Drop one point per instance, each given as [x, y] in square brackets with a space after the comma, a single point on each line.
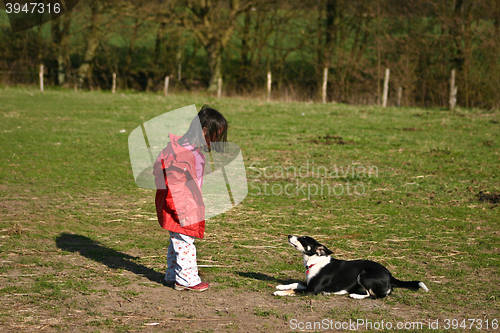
[358, 278]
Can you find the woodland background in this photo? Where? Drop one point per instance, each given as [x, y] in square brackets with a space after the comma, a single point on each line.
[196, 42]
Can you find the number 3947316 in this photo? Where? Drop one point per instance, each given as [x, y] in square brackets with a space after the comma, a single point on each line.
[32, 8]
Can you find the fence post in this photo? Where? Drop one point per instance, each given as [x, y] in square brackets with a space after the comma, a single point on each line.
[269, 86]
[400, 96]
[325, 83]
[40, 74]
[165, 88]
[386, 88]
[219, 87]
[113, 87]
[453, 91]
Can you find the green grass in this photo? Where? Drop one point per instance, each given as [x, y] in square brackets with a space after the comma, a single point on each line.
[66, 177]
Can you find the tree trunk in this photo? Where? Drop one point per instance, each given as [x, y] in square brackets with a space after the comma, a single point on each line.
[214, 52]
[128, 59]
[328, 33]
[242, 75]
[60, 39]
[92, 44]
[63, 57]
[213, 31]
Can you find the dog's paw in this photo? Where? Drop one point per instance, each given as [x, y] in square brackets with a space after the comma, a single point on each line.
[288, 286]
[284, 293]
[358, 296]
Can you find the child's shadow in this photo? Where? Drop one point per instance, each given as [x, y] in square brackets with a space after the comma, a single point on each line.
[113, 259]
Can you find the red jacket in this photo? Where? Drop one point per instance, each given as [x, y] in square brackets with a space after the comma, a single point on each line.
[178, 195]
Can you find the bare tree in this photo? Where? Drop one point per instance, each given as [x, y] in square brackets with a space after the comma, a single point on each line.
[213, 23]
[260, 34]
[103, 16]
[60, 39]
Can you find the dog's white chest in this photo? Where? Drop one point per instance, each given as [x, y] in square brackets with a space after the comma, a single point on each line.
[314, 265]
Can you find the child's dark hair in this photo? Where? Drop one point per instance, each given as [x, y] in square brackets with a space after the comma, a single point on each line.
[216, 126]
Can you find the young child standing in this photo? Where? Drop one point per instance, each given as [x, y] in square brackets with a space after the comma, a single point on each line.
[178, 172]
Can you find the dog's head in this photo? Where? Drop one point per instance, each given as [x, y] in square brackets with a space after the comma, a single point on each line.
[308, 246]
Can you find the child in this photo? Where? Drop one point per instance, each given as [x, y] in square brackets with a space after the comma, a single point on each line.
[178, 172]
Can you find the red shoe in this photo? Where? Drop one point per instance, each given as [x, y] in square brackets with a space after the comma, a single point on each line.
[199, 287]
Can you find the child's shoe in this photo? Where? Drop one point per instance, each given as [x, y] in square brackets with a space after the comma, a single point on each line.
[199, 287]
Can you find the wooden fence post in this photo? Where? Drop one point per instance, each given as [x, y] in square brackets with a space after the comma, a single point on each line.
[269, 86]
[386, 88]
[325, 83]
[219, 87]
[453, 91]
[113, 87]
[165, 88]
[40, 74]
[400, 96]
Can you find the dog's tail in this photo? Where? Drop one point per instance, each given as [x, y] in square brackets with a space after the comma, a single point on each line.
[412, 285]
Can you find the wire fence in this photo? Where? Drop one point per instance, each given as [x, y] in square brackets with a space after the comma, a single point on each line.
[391, 96]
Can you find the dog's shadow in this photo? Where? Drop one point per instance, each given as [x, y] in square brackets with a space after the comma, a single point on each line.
[267, 278]
[92, 249]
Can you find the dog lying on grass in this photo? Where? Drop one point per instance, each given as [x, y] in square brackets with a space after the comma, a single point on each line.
[358, 278]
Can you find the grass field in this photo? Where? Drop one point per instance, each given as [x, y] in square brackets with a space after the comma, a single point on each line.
[81, 250]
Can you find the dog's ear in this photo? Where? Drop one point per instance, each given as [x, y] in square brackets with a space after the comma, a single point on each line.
[323, 251]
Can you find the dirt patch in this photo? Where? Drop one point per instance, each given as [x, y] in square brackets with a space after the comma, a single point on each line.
[330, 140]
[493, 198]
[13, 205]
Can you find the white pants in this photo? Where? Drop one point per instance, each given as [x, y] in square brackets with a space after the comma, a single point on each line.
[181, 261]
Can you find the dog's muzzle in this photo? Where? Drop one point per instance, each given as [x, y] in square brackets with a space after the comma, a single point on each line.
[293, 240]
